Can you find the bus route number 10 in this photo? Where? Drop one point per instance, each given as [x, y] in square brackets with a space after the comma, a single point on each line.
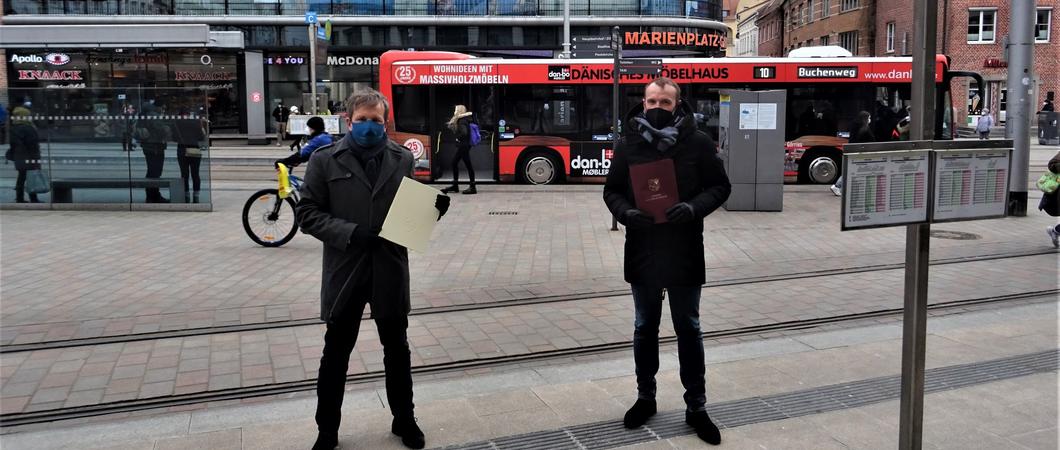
[765, 72]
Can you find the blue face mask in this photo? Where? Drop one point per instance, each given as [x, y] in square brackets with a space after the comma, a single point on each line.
[367, 133]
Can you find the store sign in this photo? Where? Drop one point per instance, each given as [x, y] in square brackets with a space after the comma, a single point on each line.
[57, 59]
[23, 59]
[353, 60]
[204, 76]
[658, 39]
[559, 73]
[153, 58]
[994, 63]
[285, 60]
[49, 75]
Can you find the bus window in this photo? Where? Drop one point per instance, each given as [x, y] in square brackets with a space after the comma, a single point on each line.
[541, 109]
[826, 110]
[410, 109]
[704, 102]
[597, 109]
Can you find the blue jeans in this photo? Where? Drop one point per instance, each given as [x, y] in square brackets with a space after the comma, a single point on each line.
[684, 309]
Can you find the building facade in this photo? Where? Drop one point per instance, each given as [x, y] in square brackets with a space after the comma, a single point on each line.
[972, 33]
[770, 25]
[269, 62]
[746, 39]
[846, 23]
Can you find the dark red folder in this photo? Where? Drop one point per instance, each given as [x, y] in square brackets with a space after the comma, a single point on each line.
[654, 187]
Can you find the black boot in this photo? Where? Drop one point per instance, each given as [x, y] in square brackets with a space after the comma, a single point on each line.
[640, 412]
[451, 189]
[410, 433]
[326, 441]
[470, 190]
[705, 428]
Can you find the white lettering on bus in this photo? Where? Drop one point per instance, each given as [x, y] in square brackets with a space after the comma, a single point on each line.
[586, 163]
[463, 79]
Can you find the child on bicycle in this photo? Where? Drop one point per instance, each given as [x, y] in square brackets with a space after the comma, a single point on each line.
[317, 139]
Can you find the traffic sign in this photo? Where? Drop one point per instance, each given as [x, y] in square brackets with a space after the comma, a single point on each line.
[310, 17]
[592, 54]
[640, 66]
[577, 39]
[591, 46]
[322, 33]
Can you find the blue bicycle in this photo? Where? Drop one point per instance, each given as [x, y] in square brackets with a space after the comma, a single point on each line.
[268, 215]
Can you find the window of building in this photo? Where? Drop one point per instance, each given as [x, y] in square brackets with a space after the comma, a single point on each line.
[1041, 24]
[849, 41]
[824, 40]
[811, 10]
[805, 14]
[981, 25]
[890, 37]
[825, 6]
[848, 5]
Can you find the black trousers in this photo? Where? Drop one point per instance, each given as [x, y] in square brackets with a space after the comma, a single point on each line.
[339, 339]
[189, 166]
[463, 153]
[155, 159]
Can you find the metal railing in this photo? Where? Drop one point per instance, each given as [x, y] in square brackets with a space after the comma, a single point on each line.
[707, 9]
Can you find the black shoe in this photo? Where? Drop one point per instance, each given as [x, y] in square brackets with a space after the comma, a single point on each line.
[326, 441]
[470, 190]
[705, 428]
[640, 412]
[451, 189]
[410, 433]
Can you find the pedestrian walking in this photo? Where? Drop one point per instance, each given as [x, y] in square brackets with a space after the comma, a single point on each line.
[860, 132]
[983, 125]
[296, 141]
[191, 138]
[24, 151]
[466, 132]
[1047, 105]
[348, 189]
[280, 115]
[317, 140]
[1049, 184]
[667, 257]
[153, 134]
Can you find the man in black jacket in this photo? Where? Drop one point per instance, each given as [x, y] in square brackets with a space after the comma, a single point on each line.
[348, 189]
[668, 255]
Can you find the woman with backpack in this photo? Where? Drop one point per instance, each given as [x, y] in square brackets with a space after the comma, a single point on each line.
[467, 135]
[1049, 184]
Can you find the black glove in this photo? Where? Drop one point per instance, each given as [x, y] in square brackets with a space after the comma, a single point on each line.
[680, 213]
[442, 205]
[290, 161]
[637, 219]
[364, 237]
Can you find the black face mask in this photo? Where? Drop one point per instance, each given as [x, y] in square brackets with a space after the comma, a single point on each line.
[659, 118]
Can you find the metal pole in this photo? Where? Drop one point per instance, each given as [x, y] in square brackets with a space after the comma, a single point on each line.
[616, 117]
[917, 237]
[313, 67]
[566, 29]
[1020, 95]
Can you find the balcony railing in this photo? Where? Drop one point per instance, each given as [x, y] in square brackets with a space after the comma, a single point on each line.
[708, 9]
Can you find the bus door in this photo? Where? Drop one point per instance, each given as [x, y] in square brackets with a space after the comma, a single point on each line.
[480, 100]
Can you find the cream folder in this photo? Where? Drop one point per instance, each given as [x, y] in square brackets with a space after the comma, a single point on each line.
[412, 216]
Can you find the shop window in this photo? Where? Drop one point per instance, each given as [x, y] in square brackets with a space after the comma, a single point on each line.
[1042, 22]
[454, 36]
[981, 23]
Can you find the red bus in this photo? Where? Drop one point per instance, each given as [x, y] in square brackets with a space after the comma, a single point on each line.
[549, 120]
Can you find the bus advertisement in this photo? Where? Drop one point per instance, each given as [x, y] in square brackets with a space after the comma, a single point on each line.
[549, 120]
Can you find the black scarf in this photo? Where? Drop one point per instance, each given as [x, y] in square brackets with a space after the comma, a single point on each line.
[371, 158]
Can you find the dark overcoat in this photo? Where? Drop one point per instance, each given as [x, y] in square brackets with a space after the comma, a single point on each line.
[665, 255]
[25, 145]
[336, 198]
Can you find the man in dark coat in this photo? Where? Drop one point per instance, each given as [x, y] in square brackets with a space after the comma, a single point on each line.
[348, 189]
[668, 255]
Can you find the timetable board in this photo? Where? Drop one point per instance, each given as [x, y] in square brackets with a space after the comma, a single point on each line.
[885, 188]
[971, 184]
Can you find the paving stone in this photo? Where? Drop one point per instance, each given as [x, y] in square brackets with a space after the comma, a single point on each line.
[217, 440]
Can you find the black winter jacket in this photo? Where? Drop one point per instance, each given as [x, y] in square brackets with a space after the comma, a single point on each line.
[665, 255]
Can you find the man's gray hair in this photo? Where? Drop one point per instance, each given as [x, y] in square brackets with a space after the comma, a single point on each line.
[367, 97]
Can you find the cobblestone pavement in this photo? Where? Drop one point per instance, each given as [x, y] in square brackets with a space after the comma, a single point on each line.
[87, 375]
[87, 274]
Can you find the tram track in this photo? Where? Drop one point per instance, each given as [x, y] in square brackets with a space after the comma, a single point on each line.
[272, 389]
[545, 299]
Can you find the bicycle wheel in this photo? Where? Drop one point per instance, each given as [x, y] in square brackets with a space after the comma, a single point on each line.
[267, 223]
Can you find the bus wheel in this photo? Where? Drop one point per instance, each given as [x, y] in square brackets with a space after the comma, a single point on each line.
[819, 169]
[541, 168]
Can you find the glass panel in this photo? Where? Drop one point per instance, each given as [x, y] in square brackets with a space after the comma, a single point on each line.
[113, 146]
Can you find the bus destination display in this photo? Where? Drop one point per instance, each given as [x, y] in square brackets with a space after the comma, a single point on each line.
[970, 184]
[885, 188]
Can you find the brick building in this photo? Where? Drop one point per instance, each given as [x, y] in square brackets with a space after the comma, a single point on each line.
[971, 33]
[850, 24]
[770, 24]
